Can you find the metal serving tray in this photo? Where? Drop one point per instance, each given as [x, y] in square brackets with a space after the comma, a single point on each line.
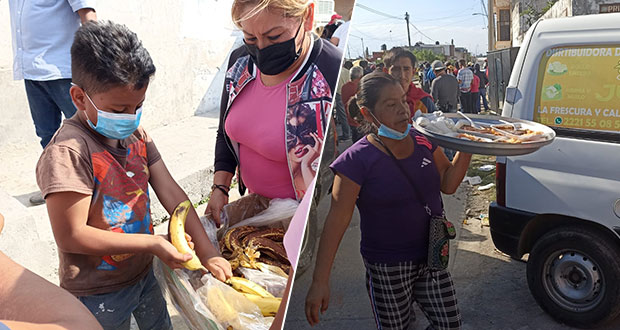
[490, 148]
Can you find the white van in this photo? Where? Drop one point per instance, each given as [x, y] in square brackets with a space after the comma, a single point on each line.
[561, 204]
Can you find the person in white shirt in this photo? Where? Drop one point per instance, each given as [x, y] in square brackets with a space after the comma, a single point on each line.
[339, 38]
[345, 9]
[42, 33]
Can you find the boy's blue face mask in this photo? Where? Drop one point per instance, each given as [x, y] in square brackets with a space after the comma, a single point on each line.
[389, 132]
[116, 126]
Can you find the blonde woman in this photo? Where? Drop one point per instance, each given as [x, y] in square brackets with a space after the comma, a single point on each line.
[275, 103]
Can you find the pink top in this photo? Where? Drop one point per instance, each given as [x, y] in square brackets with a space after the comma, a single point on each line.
[256, 121]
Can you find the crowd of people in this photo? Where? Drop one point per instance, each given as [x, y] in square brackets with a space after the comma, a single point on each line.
[446, 86]
[472, 83]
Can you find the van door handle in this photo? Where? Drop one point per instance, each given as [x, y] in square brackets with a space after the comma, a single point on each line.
[513, 95]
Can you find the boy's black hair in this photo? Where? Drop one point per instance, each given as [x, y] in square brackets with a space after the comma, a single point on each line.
[105, 55]
[397, 52]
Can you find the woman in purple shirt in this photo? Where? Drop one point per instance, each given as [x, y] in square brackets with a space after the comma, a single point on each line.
[394, 223]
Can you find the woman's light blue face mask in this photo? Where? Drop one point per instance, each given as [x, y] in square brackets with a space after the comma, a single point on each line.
[116, 126]
[389, 132]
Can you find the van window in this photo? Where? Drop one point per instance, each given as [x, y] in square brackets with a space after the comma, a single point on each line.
[579, 88]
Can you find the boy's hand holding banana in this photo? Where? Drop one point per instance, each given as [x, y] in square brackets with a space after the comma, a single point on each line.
[218, 266]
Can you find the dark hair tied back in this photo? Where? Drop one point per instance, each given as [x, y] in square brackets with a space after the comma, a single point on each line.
[368, 94]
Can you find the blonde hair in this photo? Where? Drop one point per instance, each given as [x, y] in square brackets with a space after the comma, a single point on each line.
[290, 8]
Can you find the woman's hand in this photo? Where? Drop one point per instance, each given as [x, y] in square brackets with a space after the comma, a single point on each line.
[313, 152]
[215, 205]
[316, 299]
[219, 267]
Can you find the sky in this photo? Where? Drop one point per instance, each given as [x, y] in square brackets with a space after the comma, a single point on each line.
[440, 20]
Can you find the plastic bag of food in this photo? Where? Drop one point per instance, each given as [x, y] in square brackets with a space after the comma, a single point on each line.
[278, 214]
[211, 230]
[243, 208]
[275, 284]
[231, 308]
[177, 285]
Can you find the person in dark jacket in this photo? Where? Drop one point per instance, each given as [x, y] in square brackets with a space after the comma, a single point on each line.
[444, 89]
[484, 81]
[283, 78]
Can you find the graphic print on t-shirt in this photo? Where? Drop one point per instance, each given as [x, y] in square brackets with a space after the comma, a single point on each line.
[309, 105]
[121, 194]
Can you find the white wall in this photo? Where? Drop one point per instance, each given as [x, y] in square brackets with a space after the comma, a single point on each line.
[517, 23]
[188, 40]
[562, 8]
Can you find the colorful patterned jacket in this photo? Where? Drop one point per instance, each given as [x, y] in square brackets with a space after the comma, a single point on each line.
[309, 92]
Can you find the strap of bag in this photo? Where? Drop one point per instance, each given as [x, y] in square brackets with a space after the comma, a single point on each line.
[418, 194]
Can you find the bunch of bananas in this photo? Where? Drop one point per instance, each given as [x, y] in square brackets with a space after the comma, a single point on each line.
[267, 303]
[247, 245]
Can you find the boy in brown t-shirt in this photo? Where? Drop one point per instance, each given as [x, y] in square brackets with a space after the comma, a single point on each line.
[94, 175]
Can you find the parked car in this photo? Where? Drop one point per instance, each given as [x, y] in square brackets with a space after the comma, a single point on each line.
[561, 204]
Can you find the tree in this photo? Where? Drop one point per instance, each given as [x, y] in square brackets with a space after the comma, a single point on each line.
[531, 13]
[426, 55]
[384, 47]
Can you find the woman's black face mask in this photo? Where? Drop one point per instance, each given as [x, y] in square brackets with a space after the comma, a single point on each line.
[274, 59]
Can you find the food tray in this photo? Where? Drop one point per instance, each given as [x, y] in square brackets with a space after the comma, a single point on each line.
[490, 148]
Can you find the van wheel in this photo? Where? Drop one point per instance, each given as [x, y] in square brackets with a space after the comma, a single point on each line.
[573, 274]
[307, 244]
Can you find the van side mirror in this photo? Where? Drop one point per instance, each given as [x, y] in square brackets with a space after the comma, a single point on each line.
[513, 95]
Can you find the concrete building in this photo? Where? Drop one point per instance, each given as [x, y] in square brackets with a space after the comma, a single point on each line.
[450, 51]
[509, 20]
[460, 53]
[324, 9]
[499, 24]
[445, 50]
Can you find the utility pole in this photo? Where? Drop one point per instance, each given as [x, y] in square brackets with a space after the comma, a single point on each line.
[408, 34]
[363, 49]
[491, 26]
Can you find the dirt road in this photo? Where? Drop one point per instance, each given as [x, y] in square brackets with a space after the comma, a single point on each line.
[491, 287]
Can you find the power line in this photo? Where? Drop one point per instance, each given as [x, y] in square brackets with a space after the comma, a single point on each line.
[375, 21]
[380, 13]
[427, 37]
[451, 23]
[365, 35]
[484, 8]
[376, 11]
[441, 18]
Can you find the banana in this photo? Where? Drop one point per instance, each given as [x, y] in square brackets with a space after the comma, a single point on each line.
[268, 306]
[177, 235]
[244, 285]
[263, 267]
[216, 302]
